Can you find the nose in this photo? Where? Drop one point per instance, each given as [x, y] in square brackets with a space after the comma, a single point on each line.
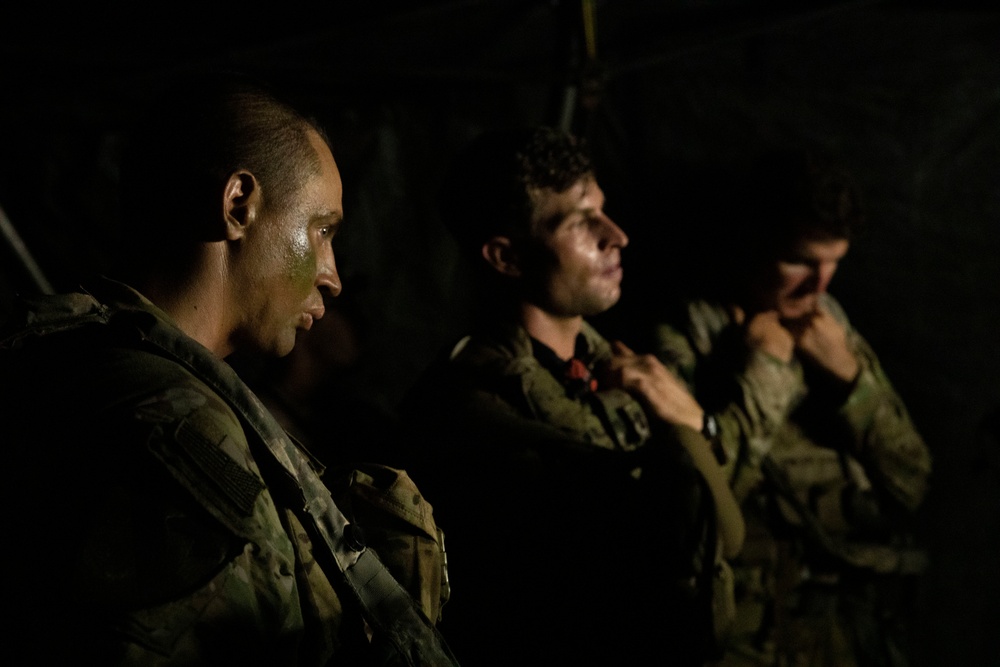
[327, 277]
[612, 236]
[824, 274]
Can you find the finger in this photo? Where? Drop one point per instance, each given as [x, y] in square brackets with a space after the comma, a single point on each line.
[622, 349]
[826, 318]
[737, 314]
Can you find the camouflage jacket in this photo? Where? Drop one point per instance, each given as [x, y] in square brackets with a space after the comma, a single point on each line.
[837, 474]
[161, 528]
[507, 377]
[536, 480]
[767, 408]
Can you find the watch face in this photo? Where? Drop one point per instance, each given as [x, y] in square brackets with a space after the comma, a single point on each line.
[710, 429]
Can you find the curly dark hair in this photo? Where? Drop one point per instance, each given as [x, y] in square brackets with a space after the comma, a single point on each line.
[489, 189]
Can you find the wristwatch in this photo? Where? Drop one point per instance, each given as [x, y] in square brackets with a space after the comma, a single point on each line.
[709, 427]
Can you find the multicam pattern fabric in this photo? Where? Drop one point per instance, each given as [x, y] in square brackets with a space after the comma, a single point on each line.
[508, 376]
[572, 522]
[826, 481]
[170, 546]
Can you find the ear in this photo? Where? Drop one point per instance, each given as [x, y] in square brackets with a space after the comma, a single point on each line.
[240, 203]
[499, 253]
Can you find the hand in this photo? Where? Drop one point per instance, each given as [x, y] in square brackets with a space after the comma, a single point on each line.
[646, 378]
[821, 339]
[764, 332]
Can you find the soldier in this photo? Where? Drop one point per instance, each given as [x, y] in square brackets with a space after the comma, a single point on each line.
[819, 448]
[586, 510]
[156, 512]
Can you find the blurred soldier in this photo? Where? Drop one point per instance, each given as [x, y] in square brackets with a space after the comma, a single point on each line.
[156, 513]
[819, 449]
[586, 510]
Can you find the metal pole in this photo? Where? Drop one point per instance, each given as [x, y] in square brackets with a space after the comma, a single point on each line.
[24, 255]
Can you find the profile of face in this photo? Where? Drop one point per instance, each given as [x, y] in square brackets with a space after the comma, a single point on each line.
[792, 283]
[572, 266]
[288, 262]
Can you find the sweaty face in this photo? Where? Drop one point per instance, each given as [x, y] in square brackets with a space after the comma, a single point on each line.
[289, 261]
[794, 282]
[574, 264]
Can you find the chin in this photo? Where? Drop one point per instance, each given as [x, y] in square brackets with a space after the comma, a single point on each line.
[283, 351]
[797, 311]
[284, 345]
[599, 305]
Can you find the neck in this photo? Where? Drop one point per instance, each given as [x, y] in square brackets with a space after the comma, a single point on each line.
[557, 332]
[194, 300]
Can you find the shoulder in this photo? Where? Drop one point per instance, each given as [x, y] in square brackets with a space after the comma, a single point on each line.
[188, 429]
[91, 400]
[138, 451]
[706, 320]
[492, 346]
[39, 315]
[481, 371]
[692, 332]
[89, 373]
[496, 360]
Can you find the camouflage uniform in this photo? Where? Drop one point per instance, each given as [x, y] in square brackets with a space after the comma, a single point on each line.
[568, 517]
[145, 531]
[828, 483]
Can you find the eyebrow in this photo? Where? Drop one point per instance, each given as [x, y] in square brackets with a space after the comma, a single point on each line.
[588, 210]
[334, 218]
[598, 195]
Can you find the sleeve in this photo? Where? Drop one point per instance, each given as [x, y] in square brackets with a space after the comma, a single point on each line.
[180, 555]
[504, 455]
[882, 435]
[752, 394]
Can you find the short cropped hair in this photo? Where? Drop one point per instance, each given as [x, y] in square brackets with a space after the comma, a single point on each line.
[489, 190]
[184, 145]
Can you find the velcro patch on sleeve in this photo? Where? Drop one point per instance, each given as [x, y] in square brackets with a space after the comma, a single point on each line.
[239, 484]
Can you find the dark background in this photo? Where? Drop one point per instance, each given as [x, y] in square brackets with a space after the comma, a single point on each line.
[907, 95]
